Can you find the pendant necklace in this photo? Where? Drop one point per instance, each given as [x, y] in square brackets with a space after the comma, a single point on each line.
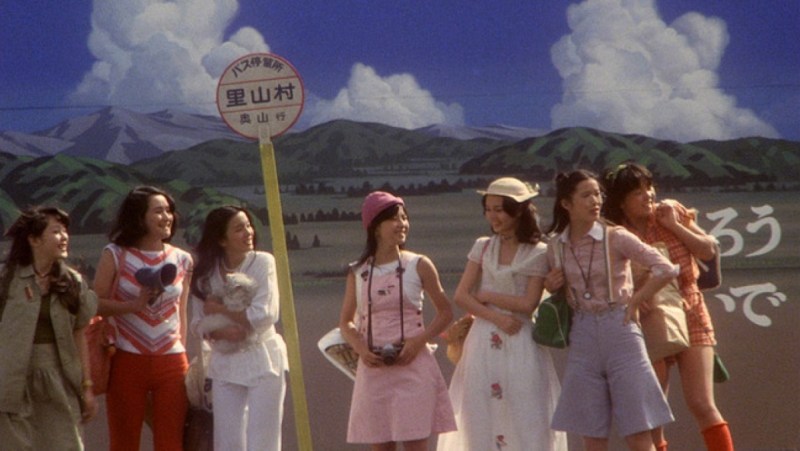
[588, 275]
[43, 280]
[226, 269]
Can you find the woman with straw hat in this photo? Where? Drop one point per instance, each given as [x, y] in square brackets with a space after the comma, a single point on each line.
[504, 388]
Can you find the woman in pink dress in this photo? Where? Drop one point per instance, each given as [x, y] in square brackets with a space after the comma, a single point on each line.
[399, 395]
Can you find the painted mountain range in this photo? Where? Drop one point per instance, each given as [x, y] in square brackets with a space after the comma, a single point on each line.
[88, 163]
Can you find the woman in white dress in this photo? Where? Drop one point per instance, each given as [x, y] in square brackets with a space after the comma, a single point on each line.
[505, 388]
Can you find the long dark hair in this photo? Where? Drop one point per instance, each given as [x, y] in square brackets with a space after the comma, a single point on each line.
[566, 183]
[32, 223]
[129, 226]
[618, 183]
[528, 230]
[209, 251]
[372, 241]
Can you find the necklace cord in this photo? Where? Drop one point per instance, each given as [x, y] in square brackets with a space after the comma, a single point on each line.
[399, 271]
[586, 277]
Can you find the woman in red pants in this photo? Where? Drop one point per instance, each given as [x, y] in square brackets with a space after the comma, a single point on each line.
[150, 362]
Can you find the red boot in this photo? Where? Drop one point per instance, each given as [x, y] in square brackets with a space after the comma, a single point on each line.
[718, 437]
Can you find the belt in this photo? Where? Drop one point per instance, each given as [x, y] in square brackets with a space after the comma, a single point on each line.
[601, 310]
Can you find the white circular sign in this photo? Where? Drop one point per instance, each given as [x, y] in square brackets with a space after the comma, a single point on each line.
[257, 90]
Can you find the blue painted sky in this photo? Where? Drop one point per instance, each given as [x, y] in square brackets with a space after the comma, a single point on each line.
[677, 69]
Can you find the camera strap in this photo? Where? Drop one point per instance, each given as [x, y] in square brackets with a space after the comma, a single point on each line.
[399, 271]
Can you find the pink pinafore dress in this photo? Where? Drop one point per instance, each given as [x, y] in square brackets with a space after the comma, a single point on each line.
[396, 403]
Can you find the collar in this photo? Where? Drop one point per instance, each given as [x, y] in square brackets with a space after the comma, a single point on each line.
[596, 233]
[26, 271]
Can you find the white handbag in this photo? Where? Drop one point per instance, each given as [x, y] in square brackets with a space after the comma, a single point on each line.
[198, 385]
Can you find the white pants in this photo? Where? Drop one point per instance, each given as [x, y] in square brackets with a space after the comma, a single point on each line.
[248, 418]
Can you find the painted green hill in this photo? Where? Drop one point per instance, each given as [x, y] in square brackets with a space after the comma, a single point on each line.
[211, 163]
[777, 157]
[91, 191]
[353, 146]
[334, 149]
[705, 163]
[8, 210]
[10, 161]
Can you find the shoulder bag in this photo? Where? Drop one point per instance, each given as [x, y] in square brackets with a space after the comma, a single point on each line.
[553, 316]
[710, 276]
[664, 325]
[101, 339]
[455, 336]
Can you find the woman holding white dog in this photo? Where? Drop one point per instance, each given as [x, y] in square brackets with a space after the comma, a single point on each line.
[248, 357]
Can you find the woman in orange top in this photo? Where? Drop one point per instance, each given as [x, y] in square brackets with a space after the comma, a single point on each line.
[631, 202]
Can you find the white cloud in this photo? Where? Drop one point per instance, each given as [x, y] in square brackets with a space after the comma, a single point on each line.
[395, 100]
[625, 70]
[152, 54]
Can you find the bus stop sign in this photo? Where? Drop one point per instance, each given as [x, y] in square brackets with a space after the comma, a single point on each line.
[260, 89]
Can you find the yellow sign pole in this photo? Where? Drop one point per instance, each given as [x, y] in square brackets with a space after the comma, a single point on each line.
[289, 319]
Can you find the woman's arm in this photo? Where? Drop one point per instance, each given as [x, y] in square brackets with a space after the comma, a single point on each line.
[264, 309]
[197, 313]
[184, 306]
[88, 401]
[104, 284]
[236, 332]
[646, 292]
[524, 304]
[662, 271]
[215, 306]
[348, 328]
[551, 276]
[699, 243]
[432, 286]
[465, 299]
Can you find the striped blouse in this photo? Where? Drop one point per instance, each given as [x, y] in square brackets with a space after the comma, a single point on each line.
[155, 330]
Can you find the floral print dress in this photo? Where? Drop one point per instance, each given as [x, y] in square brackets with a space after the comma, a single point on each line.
[505, 388]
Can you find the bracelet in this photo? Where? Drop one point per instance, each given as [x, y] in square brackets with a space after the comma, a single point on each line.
[87, 383]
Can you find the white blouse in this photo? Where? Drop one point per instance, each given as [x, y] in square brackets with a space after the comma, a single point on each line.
[268, 355]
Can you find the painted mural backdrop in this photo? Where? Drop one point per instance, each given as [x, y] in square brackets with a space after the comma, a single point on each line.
[430, 100]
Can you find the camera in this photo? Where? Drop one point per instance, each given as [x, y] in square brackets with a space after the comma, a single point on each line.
[389, 352]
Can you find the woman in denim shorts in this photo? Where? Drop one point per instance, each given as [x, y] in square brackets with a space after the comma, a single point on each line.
[608, 374]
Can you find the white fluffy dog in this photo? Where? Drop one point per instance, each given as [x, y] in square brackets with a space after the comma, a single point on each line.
[236, 295]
